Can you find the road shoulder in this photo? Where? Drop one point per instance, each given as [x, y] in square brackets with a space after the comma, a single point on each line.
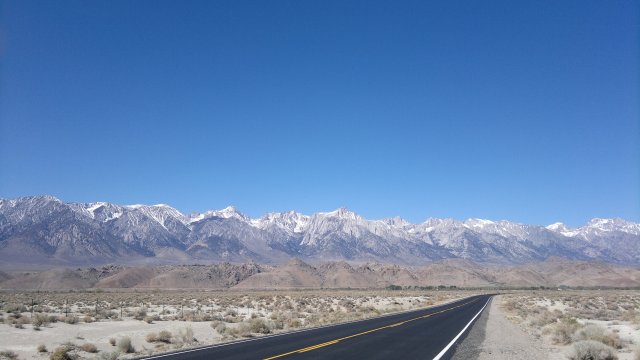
[493, 336]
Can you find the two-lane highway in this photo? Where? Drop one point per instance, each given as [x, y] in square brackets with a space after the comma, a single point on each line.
[421, 334]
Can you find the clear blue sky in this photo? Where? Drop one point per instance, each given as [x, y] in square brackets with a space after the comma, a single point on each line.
[519, 110]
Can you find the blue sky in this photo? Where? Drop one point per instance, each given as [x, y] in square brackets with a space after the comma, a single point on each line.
[519, 110]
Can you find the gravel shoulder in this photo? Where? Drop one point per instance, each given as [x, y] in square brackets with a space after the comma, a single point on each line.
[493, 336]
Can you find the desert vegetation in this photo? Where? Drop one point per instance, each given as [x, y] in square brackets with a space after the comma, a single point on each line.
[81, 324]
[581, 325]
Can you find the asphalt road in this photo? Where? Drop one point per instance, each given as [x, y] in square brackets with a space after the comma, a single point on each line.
[420, 334]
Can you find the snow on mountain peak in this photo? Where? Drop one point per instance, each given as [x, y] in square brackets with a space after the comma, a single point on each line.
[342, 213]
[396, 221]
[290, 221]
[162, 206]
[478, 223]
[100, 211]
[595, 227]
[615, 224]
[45, 198]
[230, 212]
[607, 223]
[229, 209]
[91, 208]
[437, 222]
[558, 227]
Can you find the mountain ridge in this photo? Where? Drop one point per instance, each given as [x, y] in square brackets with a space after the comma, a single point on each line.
[46, 229]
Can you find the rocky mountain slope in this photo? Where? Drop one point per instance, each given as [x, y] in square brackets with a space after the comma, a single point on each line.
[42, 230]
[297, 274]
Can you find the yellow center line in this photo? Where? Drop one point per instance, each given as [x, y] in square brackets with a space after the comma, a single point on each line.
[318, 346]
[313, 347]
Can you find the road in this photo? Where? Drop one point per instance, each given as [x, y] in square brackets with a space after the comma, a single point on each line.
[420, 334]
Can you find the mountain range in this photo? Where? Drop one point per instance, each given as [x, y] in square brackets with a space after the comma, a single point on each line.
[43, 230]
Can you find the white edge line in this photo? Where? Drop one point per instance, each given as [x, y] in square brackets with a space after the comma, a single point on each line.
[446, 348]
[296, 331]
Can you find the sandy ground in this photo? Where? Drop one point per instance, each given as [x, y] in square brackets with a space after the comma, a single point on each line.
[25, 341]
[493, 336]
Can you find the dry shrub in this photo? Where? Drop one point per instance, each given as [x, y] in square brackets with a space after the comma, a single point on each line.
[259, 326]
[112, 341]
[219, 326]
[562, 332]
[71, 319]
[543, 317]
[186, 335]
[151, 337]
[240, 330]
[598, 333]
[42, 348]
[9, 355]
[18, 321]
[164, 336]
[62, 353]
[592, 350]
[40, 320]
[125, 346]
[15, 308]
[277, 321]
[89, 347]
[294, 323]
[140, 314]
[109, 315]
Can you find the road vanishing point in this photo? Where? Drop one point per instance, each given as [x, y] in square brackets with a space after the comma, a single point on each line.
[430, 333]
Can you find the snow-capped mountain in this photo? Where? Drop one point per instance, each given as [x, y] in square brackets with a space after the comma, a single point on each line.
[598, 227]
[43, 229]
